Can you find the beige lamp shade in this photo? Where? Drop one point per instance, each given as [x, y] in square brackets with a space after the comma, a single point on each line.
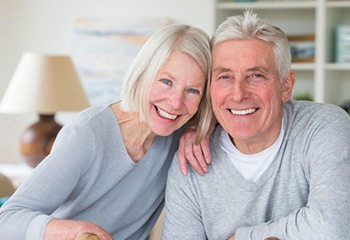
[44, 84]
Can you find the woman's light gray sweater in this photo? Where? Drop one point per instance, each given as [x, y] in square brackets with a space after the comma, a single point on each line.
[304, 194]
[89, 176]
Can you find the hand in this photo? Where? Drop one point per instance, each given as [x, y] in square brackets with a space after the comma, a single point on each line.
[87, 236]
[65, 229]
[232, 238]
[197, 155]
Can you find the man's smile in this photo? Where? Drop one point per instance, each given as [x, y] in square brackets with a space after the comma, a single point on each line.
[244, 111]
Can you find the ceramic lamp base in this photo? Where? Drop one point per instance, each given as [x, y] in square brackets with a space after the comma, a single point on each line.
[37, 140]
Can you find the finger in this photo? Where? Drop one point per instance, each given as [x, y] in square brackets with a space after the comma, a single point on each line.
[192, 152]
[206, 149]
[198, 153]
[190, 157]
[181, 157]
[104, 235]
[87, 236]
[196, 166]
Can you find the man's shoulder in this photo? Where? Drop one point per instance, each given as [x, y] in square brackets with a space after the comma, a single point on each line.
[312, 107]
[307, 111]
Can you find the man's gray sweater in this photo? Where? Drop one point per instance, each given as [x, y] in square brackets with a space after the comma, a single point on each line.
[304, 193]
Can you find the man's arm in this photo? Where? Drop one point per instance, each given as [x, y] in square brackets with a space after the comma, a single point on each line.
[182, 218]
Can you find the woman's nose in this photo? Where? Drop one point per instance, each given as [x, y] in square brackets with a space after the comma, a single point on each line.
[176, 99]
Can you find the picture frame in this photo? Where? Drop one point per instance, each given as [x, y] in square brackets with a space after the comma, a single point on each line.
[302, 48]
[103, 49]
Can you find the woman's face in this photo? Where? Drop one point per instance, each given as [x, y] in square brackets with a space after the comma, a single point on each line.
[175, 94]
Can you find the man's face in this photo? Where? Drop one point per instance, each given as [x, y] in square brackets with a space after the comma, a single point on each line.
[247, 94]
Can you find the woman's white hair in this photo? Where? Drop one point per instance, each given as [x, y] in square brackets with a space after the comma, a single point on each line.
[250, 26]
[141, 74]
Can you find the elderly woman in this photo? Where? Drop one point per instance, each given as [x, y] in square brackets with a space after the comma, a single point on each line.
[107, 170]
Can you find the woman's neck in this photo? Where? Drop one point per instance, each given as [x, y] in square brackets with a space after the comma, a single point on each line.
[137, 136]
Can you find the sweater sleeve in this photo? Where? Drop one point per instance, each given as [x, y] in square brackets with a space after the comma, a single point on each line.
[26, 214]
[181, 208]
[325, 156]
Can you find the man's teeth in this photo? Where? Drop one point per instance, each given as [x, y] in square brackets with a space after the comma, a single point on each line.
[165, 114]
[243, 112]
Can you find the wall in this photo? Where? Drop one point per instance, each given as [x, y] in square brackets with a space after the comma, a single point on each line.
[47, 27]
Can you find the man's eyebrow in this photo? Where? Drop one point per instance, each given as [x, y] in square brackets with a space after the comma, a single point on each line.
[221, 69]
[258, 68]
[252, 69]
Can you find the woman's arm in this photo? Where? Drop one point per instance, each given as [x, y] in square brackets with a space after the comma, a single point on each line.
[197, 155]
[71, 229]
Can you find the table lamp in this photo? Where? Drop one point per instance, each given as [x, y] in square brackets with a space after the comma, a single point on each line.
[43, 84]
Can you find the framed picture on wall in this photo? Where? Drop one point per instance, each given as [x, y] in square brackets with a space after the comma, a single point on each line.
[104, 48]
[302, 48]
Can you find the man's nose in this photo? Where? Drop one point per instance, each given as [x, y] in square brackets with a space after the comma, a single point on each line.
[240, 90]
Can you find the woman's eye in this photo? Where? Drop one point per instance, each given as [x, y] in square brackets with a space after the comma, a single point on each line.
[166, 81]
[194, 91]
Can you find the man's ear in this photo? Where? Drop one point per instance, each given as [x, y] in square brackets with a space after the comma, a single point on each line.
[288, 85]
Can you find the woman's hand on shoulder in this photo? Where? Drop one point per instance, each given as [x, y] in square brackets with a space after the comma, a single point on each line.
[197, 155]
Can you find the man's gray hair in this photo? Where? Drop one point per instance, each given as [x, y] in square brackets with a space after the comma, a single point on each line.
[250, 26]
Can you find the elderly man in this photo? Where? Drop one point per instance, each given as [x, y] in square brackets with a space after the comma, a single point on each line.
[279, 167]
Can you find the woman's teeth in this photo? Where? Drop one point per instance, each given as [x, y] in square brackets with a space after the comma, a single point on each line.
[165, 114]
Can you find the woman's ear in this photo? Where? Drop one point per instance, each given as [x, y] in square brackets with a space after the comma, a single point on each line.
[288, 85]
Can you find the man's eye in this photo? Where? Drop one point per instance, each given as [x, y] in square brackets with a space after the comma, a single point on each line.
[194, 91]
[224, 77]
[257, 75]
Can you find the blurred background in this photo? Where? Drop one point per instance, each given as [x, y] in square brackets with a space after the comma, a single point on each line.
[50, 27]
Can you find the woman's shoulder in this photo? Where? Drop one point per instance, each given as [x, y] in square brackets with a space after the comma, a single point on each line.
[91, 123]
[92, 112]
